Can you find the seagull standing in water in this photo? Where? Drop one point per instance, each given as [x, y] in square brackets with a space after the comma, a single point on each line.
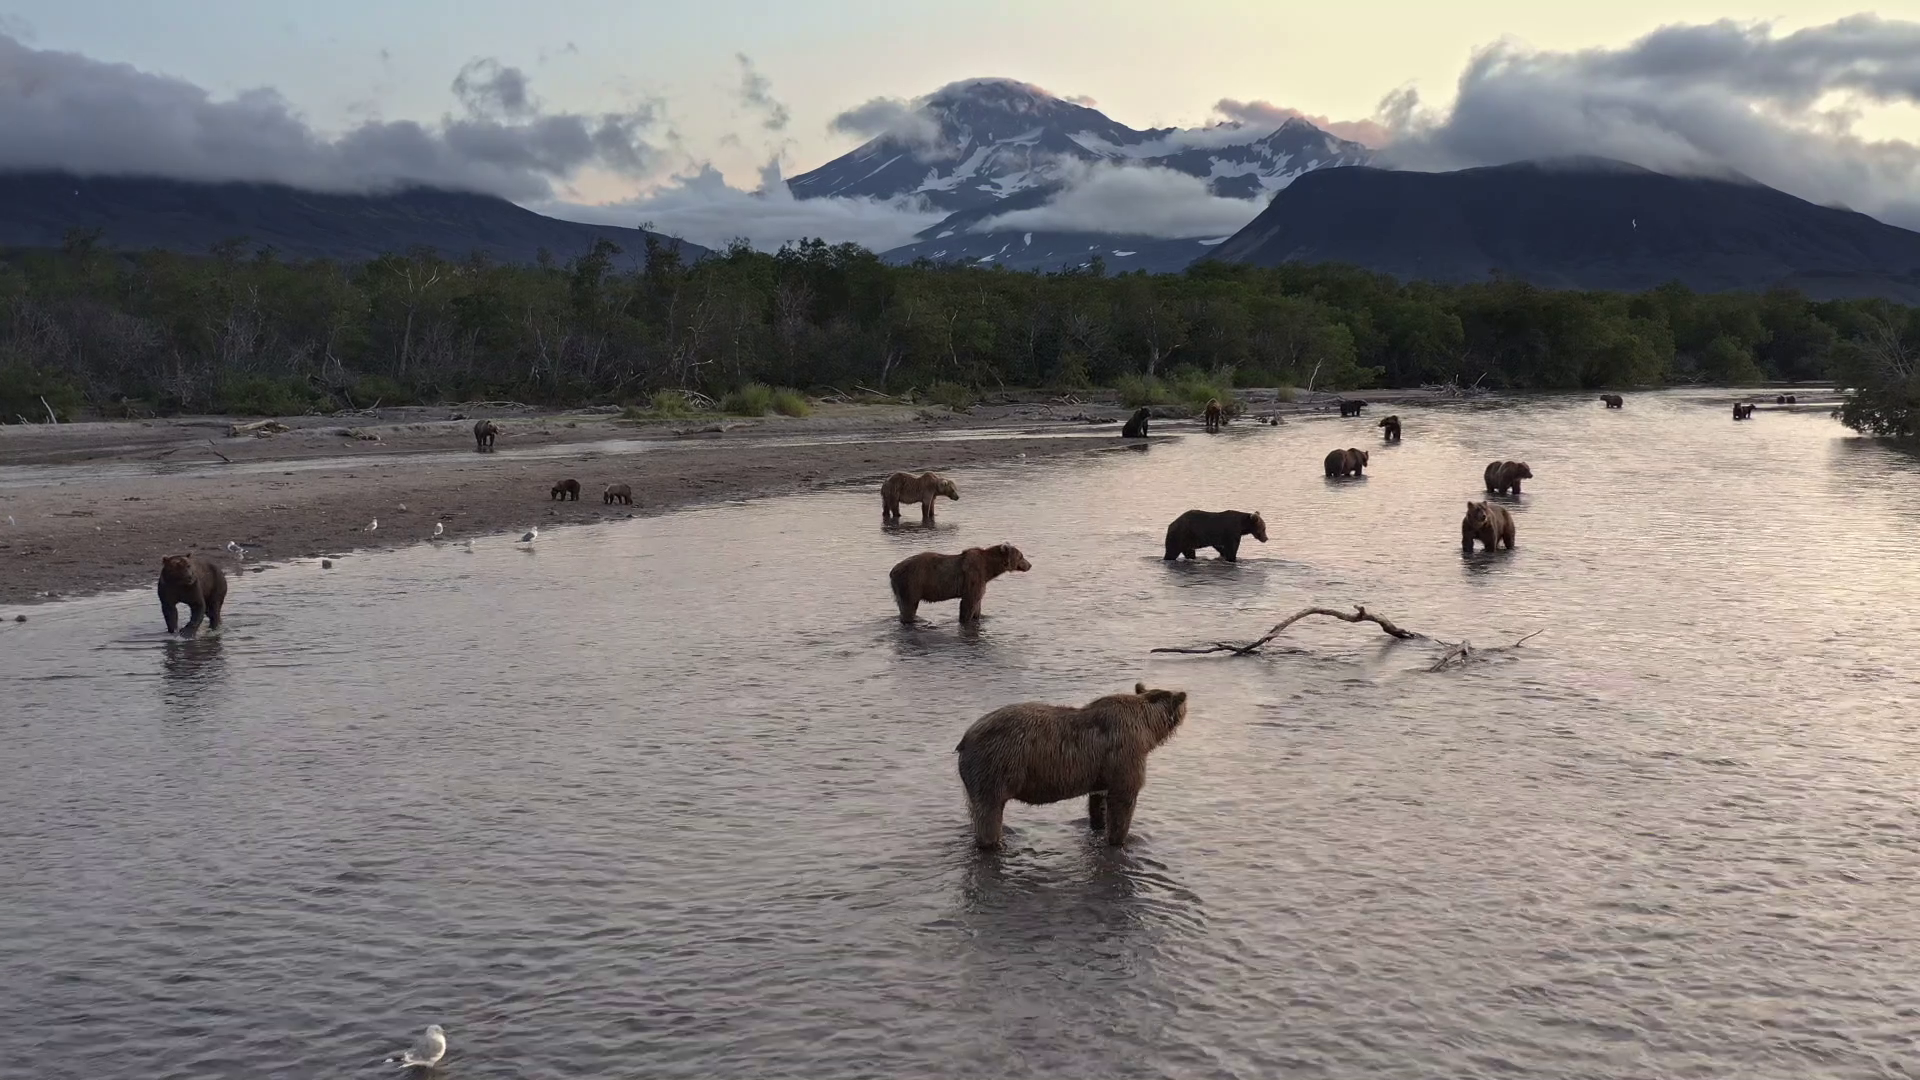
[439, 527]
[532, 535]
[425, 1052]
[237, 550]
[373, 525]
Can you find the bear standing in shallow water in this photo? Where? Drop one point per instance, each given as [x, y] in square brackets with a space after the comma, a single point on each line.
[1215, 418]
[931, 578]
[908, 488]
[1348, 462]
[1220, 530]
[1390, 428]
[1040, 754]
[195, 582]
[1489, 523]
[1504, 476]
[1136, 428]
[1612, 401]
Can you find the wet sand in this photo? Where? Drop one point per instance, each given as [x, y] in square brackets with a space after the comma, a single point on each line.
[94, 506]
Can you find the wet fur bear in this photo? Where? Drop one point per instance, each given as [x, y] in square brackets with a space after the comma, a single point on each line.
[1351, 408]
[1220, 530]
[483, 433]
[617, 493]
[1136, 428]
[195, 582]
[1040, 754]
[1505, 476]
[1742, 412]
[1348, 462]
[1488, 523]
[1215, 417]
[1392, 428]
[1613, 401]
[566, 489]
[908, 488]
[931, 578]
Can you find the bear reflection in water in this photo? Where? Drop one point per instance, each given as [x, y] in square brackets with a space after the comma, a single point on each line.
[1040, 753]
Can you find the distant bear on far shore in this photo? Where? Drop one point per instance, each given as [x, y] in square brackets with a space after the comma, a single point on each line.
[1351, 408]
[566, 489]
[1041, 754]
[617, 493]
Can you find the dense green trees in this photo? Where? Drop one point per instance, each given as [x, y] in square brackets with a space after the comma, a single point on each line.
[245, 331]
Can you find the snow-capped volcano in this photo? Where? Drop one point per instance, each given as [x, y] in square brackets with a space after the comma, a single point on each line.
[981, 145]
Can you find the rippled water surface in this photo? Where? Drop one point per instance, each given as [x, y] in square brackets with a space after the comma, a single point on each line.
[675, 797]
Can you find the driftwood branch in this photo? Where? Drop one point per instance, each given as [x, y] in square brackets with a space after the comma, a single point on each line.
[51, 419]
[1462, 653]
[217, 453]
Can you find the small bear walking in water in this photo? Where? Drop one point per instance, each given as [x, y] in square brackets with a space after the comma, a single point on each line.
[195, 582]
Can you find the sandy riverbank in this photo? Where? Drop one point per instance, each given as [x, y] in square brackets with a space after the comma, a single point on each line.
[94, 506]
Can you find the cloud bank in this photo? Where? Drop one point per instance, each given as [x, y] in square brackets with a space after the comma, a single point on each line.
[1713, 98]
[1267, 115]
[61, 110]
[1136, 200]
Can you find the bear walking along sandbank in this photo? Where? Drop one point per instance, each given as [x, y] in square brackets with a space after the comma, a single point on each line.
[1040, 754]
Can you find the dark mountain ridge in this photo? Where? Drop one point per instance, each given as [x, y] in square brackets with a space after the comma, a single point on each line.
[1582, 223]
[37, 209]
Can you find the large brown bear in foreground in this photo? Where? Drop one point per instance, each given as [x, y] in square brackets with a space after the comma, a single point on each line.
[195, 582]
[931, 578]
[1488, 523]
[483, 433]
[1504, 476]
[1049, 753]
[1348, 462]
[1220, 530]
[908, 488]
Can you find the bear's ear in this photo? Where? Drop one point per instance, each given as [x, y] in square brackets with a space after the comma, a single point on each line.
[1469, 506]
[1179, 697]
[1139, 688]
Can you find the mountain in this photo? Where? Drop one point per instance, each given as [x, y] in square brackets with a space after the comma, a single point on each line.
[1581, 223]
[984, 147]
[137, 213]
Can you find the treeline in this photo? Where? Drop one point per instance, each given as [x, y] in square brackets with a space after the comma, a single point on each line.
[245, 331]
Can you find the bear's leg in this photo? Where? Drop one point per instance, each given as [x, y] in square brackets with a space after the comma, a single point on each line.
[970, 609]
[196, 611]
[1516, 488]
[1230, 550]
[1172, 554]
[173, 615]
[1097, 810]
[213, 611]
[926, 512]
[1191, 554]
[1119, 815]
[908, 606]
[987, 816]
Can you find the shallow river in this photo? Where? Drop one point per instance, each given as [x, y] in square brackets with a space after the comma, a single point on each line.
[675, 797]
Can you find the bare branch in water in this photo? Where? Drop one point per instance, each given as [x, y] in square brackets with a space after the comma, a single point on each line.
[1462, 653]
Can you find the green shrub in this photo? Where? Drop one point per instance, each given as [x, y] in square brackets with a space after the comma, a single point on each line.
[371, 389]
[22, 389]
[951, 394]
[1072, 372]
[263, 395]
[753, 399]
[1193, 390]
[1138, 390]
[789, 402]
[1285, 393]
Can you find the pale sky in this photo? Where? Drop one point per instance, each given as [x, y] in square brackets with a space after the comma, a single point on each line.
[1145, 62]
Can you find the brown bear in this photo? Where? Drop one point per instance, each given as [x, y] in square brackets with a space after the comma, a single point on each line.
[1040, 754]
[617, 493]
[1392, 428]
[1742, 412]
[908, 488]
[1351, 408]
[483, 433]
[1220, 530]
[1488, 523]
[1779, 399]
[566, 489]
[195, 582]
[1613, 401]
[1346, 462]
[1215, 417]
[931, 578]
[1791, 401]
[1504, 476]
[1136, 428]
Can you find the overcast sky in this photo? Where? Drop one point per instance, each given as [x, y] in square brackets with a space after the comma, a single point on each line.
[603, 100]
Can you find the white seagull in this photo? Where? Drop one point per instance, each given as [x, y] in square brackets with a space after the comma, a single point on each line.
[425, 1052]
[532, 535]
[468, 545]
[236, 549]
[438, 528]
[373, 525]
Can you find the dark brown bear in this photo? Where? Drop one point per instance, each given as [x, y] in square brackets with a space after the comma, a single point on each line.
[1215, 417]
[1505, 476]
[1488, 523]
[1136, 428]
[1742, 412]
[195, 582]
[931, 578]
[1613, 401]
[1392, 426]
[483, 433]
[1348, 462]
[617, 493]
[1220, 530]
[1040, 754]
[1351, 408]
[1791, 401]
[1780, 399]
[566, 489]
[907, 488]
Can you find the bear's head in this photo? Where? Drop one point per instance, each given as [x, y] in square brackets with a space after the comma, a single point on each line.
[1476, 514]
[1255, 527]
[1009, 558]
[1520, 470]
[1171, 703]
[1359, 455]
[945, 487]
[177, 570]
